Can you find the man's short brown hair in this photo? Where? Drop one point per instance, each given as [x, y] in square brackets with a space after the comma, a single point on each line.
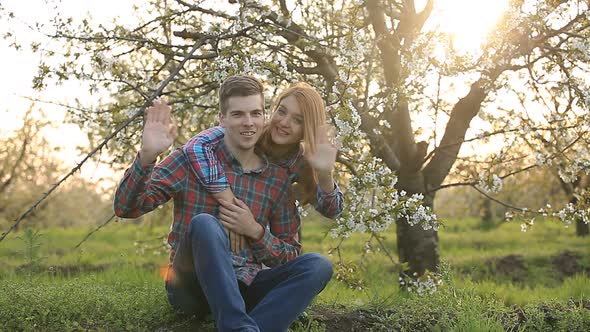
[239, 86]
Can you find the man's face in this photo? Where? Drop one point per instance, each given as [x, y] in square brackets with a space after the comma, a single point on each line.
[243, 122]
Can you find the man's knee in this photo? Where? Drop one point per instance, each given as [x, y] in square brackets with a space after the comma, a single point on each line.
[319, 266]
[204, 224]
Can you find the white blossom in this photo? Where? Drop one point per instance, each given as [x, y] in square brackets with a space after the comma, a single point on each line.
[542, 159]
[422, 286]
[300, 209]
[570, 214]
[508, 216]
[490, 184]
[131, 112]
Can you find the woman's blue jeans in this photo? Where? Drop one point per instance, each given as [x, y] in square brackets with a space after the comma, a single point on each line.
[203, 280]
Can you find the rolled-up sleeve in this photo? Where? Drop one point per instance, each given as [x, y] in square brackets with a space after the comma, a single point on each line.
[142, 189]
[200, 151]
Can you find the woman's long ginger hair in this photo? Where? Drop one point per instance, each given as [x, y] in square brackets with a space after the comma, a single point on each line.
[313, 110]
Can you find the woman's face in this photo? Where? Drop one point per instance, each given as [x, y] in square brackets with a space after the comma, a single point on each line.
[286, 124]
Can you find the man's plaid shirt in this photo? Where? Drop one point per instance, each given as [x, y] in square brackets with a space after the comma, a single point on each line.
[200, 150]
[266, 191]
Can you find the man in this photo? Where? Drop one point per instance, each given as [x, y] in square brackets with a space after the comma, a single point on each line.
[204, 273]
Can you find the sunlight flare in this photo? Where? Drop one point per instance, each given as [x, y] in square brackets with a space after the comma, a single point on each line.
[468, 21]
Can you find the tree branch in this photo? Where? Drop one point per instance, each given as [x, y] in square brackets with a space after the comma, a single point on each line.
[296, 36]
[378, 144]
[405, 144]
[95, 230]
[389, 47]
[466, 108]
[205, 10]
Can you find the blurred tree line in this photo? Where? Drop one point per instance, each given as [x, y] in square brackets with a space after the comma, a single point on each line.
[29, 166]
[534, 189]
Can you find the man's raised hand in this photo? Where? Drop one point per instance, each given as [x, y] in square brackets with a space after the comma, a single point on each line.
[159, 132]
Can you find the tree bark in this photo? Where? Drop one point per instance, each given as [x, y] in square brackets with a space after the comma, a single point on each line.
[582, 228]
[416, 246]
[487, 217]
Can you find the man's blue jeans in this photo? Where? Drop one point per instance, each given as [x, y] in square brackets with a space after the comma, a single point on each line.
[204, 281]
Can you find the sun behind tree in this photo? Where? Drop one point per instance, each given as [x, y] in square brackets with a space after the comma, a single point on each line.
[468, 21]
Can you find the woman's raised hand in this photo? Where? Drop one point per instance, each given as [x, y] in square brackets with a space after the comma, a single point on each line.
[322, 160]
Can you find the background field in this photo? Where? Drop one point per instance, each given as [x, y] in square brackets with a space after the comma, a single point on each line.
[494, 279]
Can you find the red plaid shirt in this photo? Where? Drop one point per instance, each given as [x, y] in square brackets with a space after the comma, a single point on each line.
[267, 191]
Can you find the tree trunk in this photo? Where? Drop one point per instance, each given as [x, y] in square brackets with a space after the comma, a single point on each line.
[416, 247]
[485, 212]
[582, 228]
[582, 182]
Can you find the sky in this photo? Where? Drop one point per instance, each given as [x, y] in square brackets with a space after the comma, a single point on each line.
[467, 19]
[19, 67]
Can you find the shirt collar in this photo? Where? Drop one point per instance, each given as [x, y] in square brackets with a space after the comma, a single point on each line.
[235, 164]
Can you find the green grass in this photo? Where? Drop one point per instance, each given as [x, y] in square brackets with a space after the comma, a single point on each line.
[113, 282]
[122, 299]
[115, 244]
[465, 242]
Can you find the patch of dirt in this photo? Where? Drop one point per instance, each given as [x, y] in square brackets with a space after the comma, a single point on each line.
[511, 266]
[581, 303]
[334, 320]
[189, 323]
[519, 314]
[340, 321]
[71, 270]
[60, 252]
[566, 263]
[65, 270]
[551, 317]
[480, 245]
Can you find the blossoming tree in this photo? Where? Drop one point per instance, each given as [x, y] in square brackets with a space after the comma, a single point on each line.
[409, 107]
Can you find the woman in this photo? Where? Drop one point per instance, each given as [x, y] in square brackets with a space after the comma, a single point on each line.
[296, 139]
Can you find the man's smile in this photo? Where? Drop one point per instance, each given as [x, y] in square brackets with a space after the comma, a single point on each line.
[248, 133]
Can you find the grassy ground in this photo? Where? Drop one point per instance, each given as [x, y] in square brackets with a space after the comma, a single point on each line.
[498, 279]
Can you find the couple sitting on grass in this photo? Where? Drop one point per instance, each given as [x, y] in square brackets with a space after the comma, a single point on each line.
[235, 235]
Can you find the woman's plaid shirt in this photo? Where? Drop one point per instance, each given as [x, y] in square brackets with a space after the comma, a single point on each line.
[267, 191]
